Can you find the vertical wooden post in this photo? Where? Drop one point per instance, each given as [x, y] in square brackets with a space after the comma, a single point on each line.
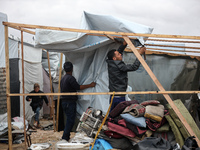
[22, 54]
[52, 103]
[58, 101]
[160, 87]
[8, 89]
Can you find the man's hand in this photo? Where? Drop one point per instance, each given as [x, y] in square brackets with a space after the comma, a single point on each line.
[93, 84]
[142, 50]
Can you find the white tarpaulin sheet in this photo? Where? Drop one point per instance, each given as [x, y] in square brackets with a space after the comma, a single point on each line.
[32, 74]
[89, 53]
[3, 17]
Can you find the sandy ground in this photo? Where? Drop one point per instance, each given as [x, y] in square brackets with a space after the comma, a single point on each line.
[41, 136]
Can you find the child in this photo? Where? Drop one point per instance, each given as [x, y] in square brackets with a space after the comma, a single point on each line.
[37, 102]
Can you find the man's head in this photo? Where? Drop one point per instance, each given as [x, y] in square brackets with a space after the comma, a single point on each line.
[68, 66]
[36, 87]
[114, 55]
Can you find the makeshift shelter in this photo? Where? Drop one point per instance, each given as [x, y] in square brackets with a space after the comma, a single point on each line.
[88, 53]
[86, 43]
[33, 72]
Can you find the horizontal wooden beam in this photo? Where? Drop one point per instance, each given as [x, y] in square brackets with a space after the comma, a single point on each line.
[150, 39]
[148, 48]
[100, 32]
[176, 41]
[172, 46]
[156, 50]
[22, 29]
[106, 93]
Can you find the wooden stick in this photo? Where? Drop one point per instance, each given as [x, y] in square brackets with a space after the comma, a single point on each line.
[8, 89]
[100, 32]
[173, 50]
[22, 54]
[22, 29]
[178, 41]
[160, 87]
[51, 96]
[149, 39]
[156, 50]
[110, 37]
[108, 93]
[172, 46]
[58, 101]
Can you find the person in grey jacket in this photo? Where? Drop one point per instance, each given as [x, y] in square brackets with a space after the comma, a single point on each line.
[117, 72]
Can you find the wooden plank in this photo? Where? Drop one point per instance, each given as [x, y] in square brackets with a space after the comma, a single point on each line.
[52, 104]
[149, 39]
[172, 46]
[58, 101]
[177, 41]
[23, 89]
[160, 87]
[22, 29]
[8, 88]
[110, 37]
[156, 50]
[100, 32]
[149, 49]
[107, 93]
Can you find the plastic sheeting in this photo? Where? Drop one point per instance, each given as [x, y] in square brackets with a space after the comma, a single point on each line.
[54, 59]
[32, 74]
[174, 73]
[88, 53]
[3, 17]
[32, 71]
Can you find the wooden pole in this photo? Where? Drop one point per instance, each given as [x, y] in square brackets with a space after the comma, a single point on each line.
[101, 32]
[51, 96]
[108, 93]
[188, 47]
[58, 101]
[166, 51]
[23, 90]
[8, 89]
[160, 87]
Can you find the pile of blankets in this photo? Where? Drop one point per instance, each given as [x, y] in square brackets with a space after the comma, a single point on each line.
[131, 119]
[134, 121]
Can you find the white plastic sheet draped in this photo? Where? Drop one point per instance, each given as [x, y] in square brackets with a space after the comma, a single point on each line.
[3, 17]
[32, 74]
[89, 53]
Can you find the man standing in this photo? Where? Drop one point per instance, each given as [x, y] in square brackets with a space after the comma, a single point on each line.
[117, 72]
[37, 103]
[68, 85]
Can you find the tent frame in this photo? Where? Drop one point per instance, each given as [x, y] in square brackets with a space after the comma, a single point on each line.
[111, 35]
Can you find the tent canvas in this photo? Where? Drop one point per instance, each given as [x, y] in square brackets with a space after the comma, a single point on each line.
[88, 53]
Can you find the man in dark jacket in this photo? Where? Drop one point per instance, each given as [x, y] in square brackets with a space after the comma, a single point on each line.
[37, 102]
[70, 85]
[117, 72]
